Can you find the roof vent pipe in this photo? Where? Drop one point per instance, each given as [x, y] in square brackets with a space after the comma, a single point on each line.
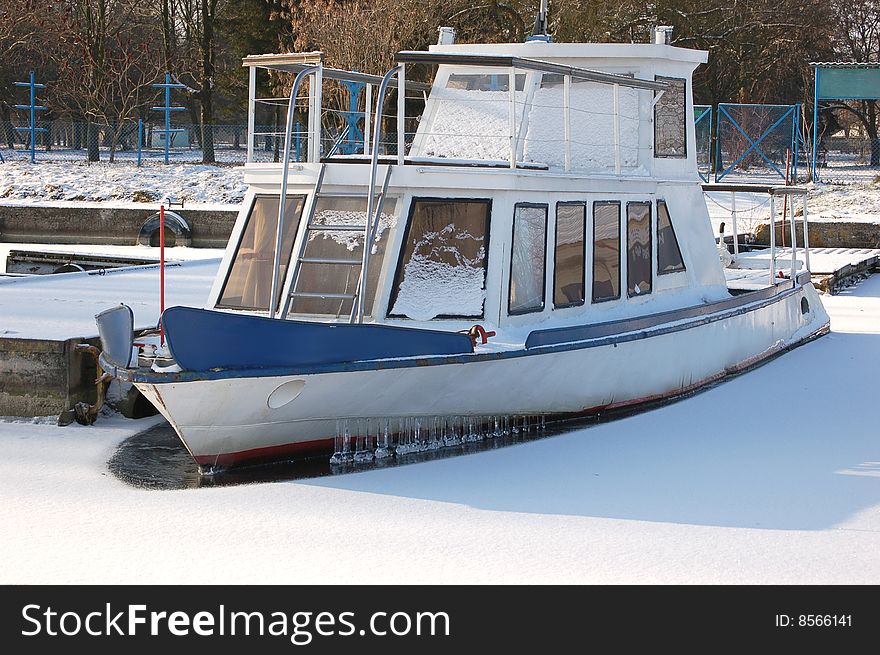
[447, 36]
[663, 34]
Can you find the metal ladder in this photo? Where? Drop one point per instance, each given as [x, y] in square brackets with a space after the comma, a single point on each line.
[369, 229]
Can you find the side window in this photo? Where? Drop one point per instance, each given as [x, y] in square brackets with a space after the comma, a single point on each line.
[638, 248]
[568, 272]
[527, 257]
[442, 269]
[669, 258]
[606, 251]
[249, 282]
[670, 138]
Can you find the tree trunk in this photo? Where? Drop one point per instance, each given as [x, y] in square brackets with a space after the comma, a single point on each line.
[871, 126]
[207, 101]
[92, 142]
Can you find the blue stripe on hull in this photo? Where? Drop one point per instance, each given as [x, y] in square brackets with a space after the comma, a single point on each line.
[136, 375]
[201, 340]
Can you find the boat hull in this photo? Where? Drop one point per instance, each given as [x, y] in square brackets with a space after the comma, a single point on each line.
[245, 417]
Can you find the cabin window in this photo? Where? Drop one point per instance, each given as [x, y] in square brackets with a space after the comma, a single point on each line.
[345, 249]
[670, 139]
[527, 257]
[249, 282]
[606, 251]
[568, 272]
[669, 258]
[442, 269]
[484, 82]
[638, 248]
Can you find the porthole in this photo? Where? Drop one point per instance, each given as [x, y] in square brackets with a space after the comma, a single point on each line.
[805, 306]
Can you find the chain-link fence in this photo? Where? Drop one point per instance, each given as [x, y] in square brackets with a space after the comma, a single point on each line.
[131, 142]
[842, 159]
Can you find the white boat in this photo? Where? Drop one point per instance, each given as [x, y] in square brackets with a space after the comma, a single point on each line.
[548, 198]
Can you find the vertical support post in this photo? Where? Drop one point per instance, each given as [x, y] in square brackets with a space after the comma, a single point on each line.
[617, 129]
[167, 113]
[401, 115]
[511, 115]
[793, 224]
[733, 222]
[140, 139]
[33, 84]
[315, 115]
[566, 110]
[368, 113]
[310, 123]
[815, 123]
[806, 236]
[772, 238]
[252, 110]
[297, 140]
[161, 271]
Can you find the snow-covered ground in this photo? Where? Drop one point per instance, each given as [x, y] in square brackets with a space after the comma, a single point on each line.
[120, 182]
[771, 477]
[64, 305]
[858, 203]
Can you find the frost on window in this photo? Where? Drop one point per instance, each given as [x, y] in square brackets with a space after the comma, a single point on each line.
[345, 247]
[568, 274]
[606, 251]
[443, 267]
[527, 258]
[471, 118]
[638, 248]
[592, 125]
[249, 282]
[670, 139]
[668, 253]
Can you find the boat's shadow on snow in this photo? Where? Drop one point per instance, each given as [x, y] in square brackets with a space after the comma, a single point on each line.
[791, 445]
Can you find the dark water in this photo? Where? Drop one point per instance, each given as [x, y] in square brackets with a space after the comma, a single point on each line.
[156, 459]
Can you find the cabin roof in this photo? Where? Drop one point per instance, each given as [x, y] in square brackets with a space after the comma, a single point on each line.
[554, 51]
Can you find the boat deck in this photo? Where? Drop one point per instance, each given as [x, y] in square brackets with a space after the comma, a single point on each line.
[831, 268]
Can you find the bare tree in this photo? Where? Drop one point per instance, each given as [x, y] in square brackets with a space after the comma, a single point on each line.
[106, 63]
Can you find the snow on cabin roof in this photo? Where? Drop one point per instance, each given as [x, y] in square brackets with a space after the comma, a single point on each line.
[555, 51]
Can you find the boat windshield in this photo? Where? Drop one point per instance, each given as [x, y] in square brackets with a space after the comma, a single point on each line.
[249, 282]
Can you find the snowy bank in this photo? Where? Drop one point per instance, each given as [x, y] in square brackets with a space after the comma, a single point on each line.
[120, 182]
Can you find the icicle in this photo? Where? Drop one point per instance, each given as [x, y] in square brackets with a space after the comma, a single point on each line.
[363, 453]
[383, 448]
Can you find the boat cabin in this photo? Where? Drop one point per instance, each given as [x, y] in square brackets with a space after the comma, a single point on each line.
[533, 183]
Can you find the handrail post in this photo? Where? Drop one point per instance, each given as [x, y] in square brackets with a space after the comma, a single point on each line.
[371, 200]
[282, 198]
[252, 108]
[368, 101]
[511, 115]
[733, 221]
[566, 111]
[806, 235]
[793, 224]
[617, 163]
[772, 238]
[401, 114]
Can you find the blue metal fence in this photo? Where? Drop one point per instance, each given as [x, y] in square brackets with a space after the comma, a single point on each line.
[757, 141]
[703, 129]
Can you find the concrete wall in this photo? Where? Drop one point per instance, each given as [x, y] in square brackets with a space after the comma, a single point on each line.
[43, 378]
[105, 225]
[826, 234]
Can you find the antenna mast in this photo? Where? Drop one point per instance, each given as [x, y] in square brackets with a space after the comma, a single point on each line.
[541, 32]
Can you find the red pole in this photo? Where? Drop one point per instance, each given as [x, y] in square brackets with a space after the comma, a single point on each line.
[161, 271]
